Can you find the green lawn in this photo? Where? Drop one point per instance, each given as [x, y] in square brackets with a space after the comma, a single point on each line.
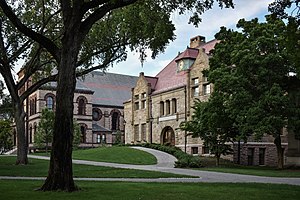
[228, 167]
[12, 189]
[124, 155]
[39, 168]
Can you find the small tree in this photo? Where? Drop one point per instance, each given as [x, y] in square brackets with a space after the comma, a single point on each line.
[5, 136]
[44, 134]
[211, 122]
[76, 139]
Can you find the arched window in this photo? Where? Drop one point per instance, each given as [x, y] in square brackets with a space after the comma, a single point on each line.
[81, 105]
[97, 114]
[50, 101]
[115, 119]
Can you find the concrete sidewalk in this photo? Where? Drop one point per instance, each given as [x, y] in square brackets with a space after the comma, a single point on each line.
[165, 164]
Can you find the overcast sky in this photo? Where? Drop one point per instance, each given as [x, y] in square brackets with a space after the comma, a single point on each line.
[212, 20]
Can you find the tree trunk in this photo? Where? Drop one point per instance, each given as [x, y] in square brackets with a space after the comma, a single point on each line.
[279, 148]
[60, 174]
[217, 160]
[22, 148]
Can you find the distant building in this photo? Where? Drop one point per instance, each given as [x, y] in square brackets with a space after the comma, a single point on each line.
[159, 104]
[98, 106]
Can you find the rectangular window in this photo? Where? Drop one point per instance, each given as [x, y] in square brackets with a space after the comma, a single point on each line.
[98, 138]
[136, 106]
[195, 81]
[262, 156]
[205, 79]
[143, 132]
[162, 109]
[136, 133]
[168, 107]
[206, 89]
[144, 95]
[103, 138]
[205, 150]
[136, 97]
[144, 104]
[195, 150]
[174, 106]
[196, 91]
[250, 156]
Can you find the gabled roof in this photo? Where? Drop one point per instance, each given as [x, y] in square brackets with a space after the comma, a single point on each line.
[109, 89]
[188, 53]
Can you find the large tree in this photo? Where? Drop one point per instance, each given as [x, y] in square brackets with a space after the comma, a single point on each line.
[118, 24]
[15, 47]
[251, 67]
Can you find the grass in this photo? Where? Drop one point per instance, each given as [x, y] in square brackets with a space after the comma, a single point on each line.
[123, 155]
[228, 167]
[12, 189]
[39, 168]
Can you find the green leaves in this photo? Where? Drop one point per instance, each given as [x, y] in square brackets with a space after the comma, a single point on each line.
[6, 136]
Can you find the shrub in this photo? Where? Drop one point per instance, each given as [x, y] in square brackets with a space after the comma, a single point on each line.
[184, 160]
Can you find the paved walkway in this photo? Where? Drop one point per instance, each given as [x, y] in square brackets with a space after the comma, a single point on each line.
[165, 164]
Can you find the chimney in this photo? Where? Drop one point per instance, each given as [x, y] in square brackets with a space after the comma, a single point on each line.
[197, 41]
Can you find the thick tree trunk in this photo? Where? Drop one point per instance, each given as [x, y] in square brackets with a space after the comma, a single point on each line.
[280, 162]
[60, 174]
[22, 148]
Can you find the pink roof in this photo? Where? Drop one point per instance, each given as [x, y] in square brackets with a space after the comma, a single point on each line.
[169, 78]
[152, 81]
[188, 53]
[209, 45]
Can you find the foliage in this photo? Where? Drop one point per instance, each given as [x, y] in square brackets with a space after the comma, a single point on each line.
[6, 107]
[212, 123]
[184, 160]
[250, 69]
[43, 136]
[118, 140]
[77, 135]
[6, 135]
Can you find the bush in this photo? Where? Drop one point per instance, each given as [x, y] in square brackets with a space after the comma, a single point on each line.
[184, 160]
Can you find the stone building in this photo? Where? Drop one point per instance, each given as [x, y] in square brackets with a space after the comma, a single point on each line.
[98, 106]
[159, 104]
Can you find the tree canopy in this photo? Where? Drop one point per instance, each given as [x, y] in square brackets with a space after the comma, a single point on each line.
[251, 67]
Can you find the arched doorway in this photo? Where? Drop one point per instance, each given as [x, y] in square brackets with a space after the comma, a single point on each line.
[167, 136]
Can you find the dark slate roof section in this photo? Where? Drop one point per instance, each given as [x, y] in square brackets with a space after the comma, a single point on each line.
[109, 89]
[99, 128]
[79, 87]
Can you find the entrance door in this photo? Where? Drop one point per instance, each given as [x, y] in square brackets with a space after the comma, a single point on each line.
[168, 136]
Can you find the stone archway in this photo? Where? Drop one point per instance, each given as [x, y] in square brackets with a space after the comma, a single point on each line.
[167, 136]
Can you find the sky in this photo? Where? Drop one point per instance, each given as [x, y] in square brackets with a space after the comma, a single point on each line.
[212, 20]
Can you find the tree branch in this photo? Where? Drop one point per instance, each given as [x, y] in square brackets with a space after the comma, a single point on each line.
[101, 12]
[44, 41]
[37, 85]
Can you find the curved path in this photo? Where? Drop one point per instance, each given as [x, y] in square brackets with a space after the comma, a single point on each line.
[166, 164]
